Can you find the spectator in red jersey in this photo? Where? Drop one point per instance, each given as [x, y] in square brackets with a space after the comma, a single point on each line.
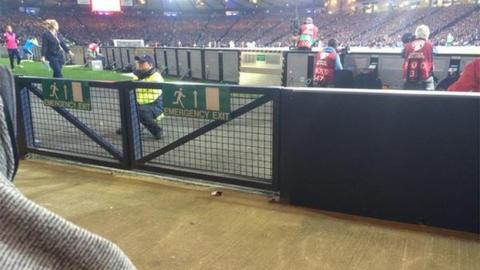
[308, 35]
[418, 61]
[469, 80]
[94, 52]
[11, 42]
[94, 49]
[327, 62]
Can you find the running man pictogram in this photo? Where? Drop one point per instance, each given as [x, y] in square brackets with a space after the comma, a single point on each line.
[179, 95]
[54, 89]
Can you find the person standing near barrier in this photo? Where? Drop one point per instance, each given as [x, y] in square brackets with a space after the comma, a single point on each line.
[149, 101]
[418, 61]
[28, 47]
[327, 62]
[94, 52]
[11, 42]
[308, 35]
[53, 46]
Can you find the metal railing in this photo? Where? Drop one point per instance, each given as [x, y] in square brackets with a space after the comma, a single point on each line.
[242, 150]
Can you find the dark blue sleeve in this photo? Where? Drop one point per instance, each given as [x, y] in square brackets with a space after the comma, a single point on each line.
[44, 44]
[62, 43]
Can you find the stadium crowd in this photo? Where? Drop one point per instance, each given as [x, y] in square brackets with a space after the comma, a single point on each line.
[273, 29]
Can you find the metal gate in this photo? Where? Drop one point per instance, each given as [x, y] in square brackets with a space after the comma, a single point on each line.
[240, 151]
[84, 136]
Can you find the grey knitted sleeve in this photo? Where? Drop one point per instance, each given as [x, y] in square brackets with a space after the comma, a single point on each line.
[7, 156]
[7, 93]
[32, 237]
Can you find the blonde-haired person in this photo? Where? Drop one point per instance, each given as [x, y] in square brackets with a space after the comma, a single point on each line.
[418, 61]
[53, 46]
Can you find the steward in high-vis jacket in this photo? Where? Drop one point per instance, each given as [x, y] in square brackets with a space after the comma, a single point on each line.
[149, 101]
[308, 35]
[327, 62]
[418, 61]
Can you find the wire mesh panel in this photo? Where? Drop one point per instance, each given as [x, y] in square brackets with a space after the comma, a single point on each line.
[51, 130]
[241, 147]
[124, 129]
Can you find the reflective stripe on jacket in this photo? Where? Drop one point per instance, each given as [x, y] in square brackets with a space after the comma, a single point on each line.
[147, 96]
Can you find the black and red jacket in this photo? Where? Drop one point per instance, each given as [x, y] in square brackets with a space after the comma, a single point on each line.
[324, 67]
[418, 60]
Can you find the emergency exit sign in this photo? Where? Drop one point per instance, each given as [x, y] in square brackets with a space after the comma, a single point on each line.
[203, 102]
[66, 94]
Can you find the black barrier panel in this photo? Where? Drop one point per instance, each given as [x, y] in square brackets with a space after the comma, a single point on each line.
[406, 157]
[161, 60]
[172, 62]
[231, 66]
[114, 58]
[441, 64]
[128, 56]
[297, 69]
[390, 71]
[183, 66]
[212, 68]
[357, 62]
[196, 64]
[103, 52]
[79, 56]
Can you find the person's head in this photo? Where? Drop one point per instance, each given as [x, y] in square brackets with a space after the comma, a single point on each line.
[51, 25]
[422, 31]
[407, 38]
[332, 43]
[145, 62]
[308, 20]
[8, 28]
[96, 41]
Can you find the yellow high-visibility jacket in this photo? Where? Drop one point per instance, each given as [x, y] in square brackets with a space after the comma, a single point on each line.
[147, 96]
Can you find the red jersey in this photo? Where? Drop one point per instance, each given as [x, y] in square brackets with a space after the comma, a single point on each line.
[10, 40]
[308, 36]
[93, 49]
[469, 79]
[324, 68]
[418, 62]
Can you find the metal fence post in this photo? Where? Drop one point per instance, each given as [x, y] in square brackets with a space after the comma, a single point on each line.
[285, 69]
[220, 66]
[124, 89]
[21, 133]
[276, 132]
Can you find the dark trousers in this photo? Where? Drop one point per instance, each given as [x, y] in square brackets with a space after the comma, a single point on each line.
[56, 65]
[428, 84]
[148, 113]
[12, 53]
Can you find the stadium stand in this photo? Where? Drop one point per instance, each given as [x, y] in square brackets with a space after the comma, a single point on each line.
[272, 29]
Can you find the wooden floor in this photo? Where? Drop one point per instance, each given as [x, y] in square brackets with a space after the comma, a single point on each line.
[165, 225]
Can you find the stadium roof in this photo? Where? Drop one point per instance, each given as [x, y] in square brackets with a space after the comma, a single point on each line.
[189, 5]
